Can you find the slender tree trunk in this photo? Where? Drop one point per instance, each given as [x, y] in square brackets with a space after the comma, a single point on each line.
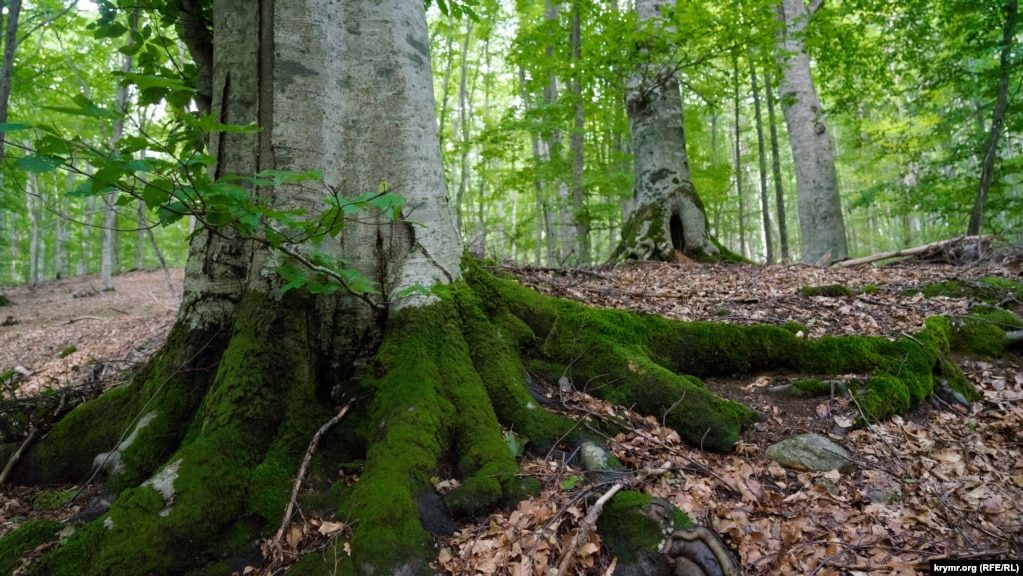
[579, 211]
[109, 251]
[779, 186]
[35, 229]
[6, 72]
[987, 171]
[449, 64]
[821, 223]
[668, 215]
[765, 209]
[737, 159]
[464, 103]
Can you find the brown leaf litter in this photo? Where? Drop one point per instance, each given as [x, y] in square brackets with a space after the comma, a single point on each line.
[930, 485]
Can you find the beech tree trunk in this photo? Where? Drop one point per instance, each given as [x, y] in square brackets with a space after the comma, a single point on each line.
[821, 224]
[668, 216]
[202, 447]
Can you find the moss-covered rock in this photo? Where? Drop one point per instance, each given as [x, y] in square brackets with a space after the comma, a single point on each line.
[634, 526]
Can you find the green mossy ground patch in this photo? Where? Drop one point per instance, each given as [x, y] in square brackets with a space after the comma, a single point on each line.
[24, 540]
[629, 529]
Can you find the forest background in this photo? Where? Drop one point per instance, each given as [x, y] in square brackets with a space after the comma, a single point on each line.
[534, 131]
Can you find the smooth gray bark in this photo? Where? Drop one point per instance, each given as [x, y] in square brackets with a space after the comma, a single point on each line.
[821, 224]
[575, 142]
[668, 215]
[353, 101]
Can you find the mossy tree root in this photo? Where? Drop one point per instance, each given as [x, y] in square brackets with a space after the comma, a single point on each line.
[226, 451]
[211, 471]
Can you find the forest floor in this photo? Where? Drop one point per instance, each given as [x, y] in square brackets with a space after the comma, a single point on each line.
[934, 484]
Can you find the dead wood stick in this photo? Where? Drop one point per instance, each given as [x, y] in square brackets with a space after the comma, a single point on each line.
[33, 433]
[590, 520]
[80, 318]
[906, 252]
[290, 510]
[587, 527]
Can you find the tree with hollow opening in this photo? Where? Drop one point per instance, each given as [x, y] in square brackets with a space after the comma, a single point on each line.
[202, 447]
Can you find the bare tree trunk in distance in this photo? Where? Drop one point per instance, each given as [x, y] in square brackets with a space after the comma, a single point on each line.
[740, 194]
[10, 46]
[765, 209]
[779, 187]
[575, 142]
[668, 216]
[987, 171]
[821, 224]
[109, 251]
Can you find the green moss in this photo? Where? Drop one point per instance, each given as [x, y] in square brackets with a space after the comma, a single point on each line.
[870, 289]
[52, 499]
[643, 235]
[91, 428]
[68, 351]
[809, 388]
[885, 396]
[653, 364]
[982, 332]
[990, 290]
[24, 540]
[829, 291]
[263, 378]
[628, 527]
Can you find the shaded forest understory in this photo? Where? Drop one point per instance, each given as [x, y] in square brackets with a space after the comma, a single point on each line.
[932, 483]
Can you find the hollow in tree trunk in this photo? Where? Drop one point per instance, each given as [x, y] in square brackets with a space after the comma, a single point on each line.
[668, 217]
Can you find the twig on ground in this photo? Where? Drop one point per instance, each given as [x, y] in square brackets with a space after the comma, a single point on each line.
[290, 510]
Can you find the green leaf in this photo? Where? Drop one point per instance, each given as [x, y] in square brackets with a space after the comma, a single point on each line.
[112, 30]
[171, 213]
[570, 482]
[156, 193]
[516, 443]
[295, 276]
[13, 126]
[39, 164]
[415, 289]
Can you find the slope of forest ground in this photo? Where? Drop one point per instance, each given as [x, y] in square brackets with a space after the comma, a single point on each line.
[937, 483]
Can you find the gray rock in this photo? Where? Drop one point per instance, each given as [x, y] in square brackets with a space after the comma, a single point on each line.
[810, 452]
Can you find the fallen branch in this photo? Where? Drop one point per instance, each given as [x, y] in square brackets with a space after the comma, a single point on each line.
[80, 318]
[290, 510]
[590, 520]
[934, 246]
[32, 435]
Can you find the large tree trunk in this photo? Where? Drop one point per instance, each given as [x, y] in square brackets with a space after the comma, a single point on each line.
[668, 215]
[821, 224]
[203, 445]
